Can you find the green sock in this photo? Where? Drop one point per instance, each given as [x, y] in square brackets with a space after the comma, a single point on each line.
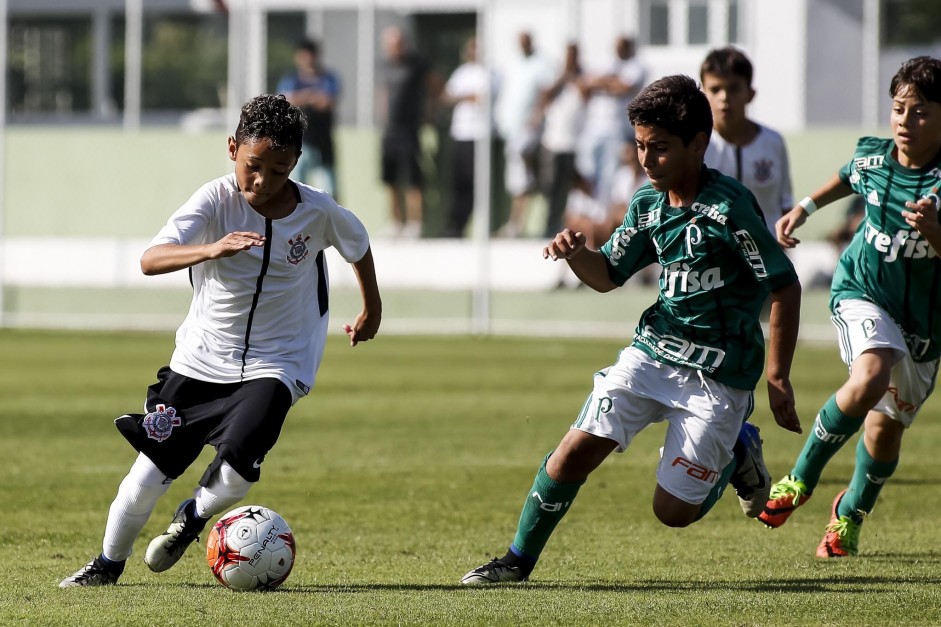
[868, 479]
[716, 492]
[832, 428]
[546, 504]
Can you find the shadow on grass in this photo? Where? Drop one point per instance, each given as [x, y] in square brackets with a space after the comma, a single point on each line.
[859, 584]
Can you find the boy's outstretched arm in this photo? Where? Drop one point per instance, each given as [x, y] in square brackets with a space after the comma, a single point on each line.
[164, 258]
[588, 265]
[784, 323]
[366, 324]
[832, 190]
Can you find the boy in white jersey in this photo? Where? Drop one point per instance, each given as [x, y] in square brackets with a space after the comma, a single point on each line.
[751, 153]
[697, 352]
[885, 300]
[252, 341]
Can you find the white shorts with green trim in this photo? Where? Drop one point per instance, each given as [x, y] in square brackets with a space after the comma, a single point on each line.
[703, 418]
[862, 326]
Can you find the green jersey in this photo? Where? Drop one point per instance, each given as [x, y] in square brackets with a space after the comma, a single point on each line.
[888, 263]
[719, 263]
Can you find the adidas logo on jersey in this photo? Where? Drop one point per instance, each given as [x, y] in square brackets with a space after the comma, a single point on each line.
[873, 198]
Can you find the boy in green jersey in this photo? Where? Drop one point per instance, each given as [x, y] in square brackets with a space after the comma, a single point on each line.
[698, 351]
[885, 300]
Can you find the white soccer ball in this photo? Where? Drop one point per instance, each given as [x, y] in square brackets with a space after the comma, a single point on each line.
[251, 548]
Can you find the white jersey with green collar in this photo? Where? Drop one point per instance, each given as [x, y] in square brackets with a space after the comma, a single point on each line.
[887, 262]
[719, 263]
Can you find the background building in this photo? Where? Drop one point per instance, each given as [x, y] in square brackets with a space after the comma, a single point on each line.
[117, 109]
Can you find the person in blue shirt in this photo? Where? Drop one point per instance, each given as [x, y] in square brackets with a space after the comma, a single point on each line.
[315, 90]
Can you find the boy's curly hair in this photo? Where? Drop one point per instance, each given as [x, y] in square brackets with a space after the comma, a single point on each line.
[923, 74]
[675, 104]
[271, 117]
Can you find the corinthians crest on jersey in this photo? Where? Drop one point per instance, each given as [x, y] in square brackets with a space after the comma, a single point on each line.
[298, 250]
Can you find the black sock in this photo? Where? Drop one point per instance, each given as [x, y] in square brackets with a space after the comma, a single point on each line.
[115, 567]
[525, 564]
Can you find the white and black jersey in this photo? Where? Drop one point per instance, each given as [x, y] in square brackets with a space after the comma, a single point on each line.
[762, 166]
[262, 312]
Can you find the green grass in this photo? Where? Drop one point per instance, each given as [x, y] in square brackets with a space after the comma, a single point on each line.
[407, 467]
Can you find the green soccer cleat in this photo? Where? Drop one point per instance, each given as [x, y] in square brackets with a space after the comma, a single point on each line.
[786, 495]
[842, 536]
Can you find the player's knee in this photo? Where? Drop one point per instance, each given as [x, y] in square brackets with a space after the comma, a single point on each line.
[227, 480]
[673, 518]
[672, 511]
[870, 378]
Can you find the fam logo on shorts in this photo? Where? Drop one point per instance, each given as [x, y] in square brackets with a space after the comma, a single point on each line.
[299, 250]
[160, 422]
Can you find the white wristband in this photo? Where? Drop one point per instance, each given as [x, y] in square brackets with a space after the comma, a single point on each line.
[808, 204]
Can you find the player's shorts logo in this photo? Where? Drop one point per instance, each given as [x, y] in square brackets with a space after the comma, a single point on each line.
[160, 422]
[298, 251]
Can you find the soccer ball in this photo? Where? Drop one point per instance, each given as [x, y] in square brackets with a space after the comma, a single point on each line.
[251, 548]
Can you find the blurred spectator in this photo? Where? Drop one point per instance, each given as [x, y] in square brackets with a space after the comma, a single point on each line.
[404, 107]
[627, 179]
[469, 123]
[519, 121]
[563, 104]
[841, 236]
[314, 89]
[606, 124]
[586, 213]
[741, 148]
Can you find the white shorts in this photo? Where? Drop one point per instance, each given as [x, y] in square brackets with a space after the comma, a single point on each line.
[863, 326]
[520, 174]
[704, 418]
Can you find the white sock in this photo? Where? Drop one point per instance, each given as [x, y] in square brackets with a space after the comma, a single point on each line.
[137, 495]
[226, 488]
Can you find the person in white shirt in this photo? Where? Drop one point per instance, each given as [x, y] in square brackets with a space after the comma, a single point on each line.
[606, 126]
[563, 104]
[250, 346]
[519, 122]
[741, 148]
[464, 91]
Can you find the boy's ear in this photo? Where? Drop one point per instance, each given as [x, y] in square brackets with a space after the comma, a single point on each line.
[751, 95]
[233, 148]
[699, 144]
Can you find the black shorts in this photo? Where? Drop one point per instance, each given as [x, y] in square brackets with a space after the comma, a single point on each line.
[241, 420]
[400, 158]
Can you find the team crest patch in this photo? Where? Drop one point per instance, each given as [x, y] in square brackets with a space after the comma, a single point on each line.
[160, 422]
[763, 170]
[299, 250]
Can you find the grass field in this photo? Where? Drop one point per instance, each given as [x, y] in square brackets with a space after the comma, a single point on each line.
[407, 467]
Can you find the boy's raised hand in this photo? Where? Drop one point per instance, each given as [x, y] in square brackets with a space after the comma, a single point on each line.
[236, 242]
[565, 245]
[790, 222]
